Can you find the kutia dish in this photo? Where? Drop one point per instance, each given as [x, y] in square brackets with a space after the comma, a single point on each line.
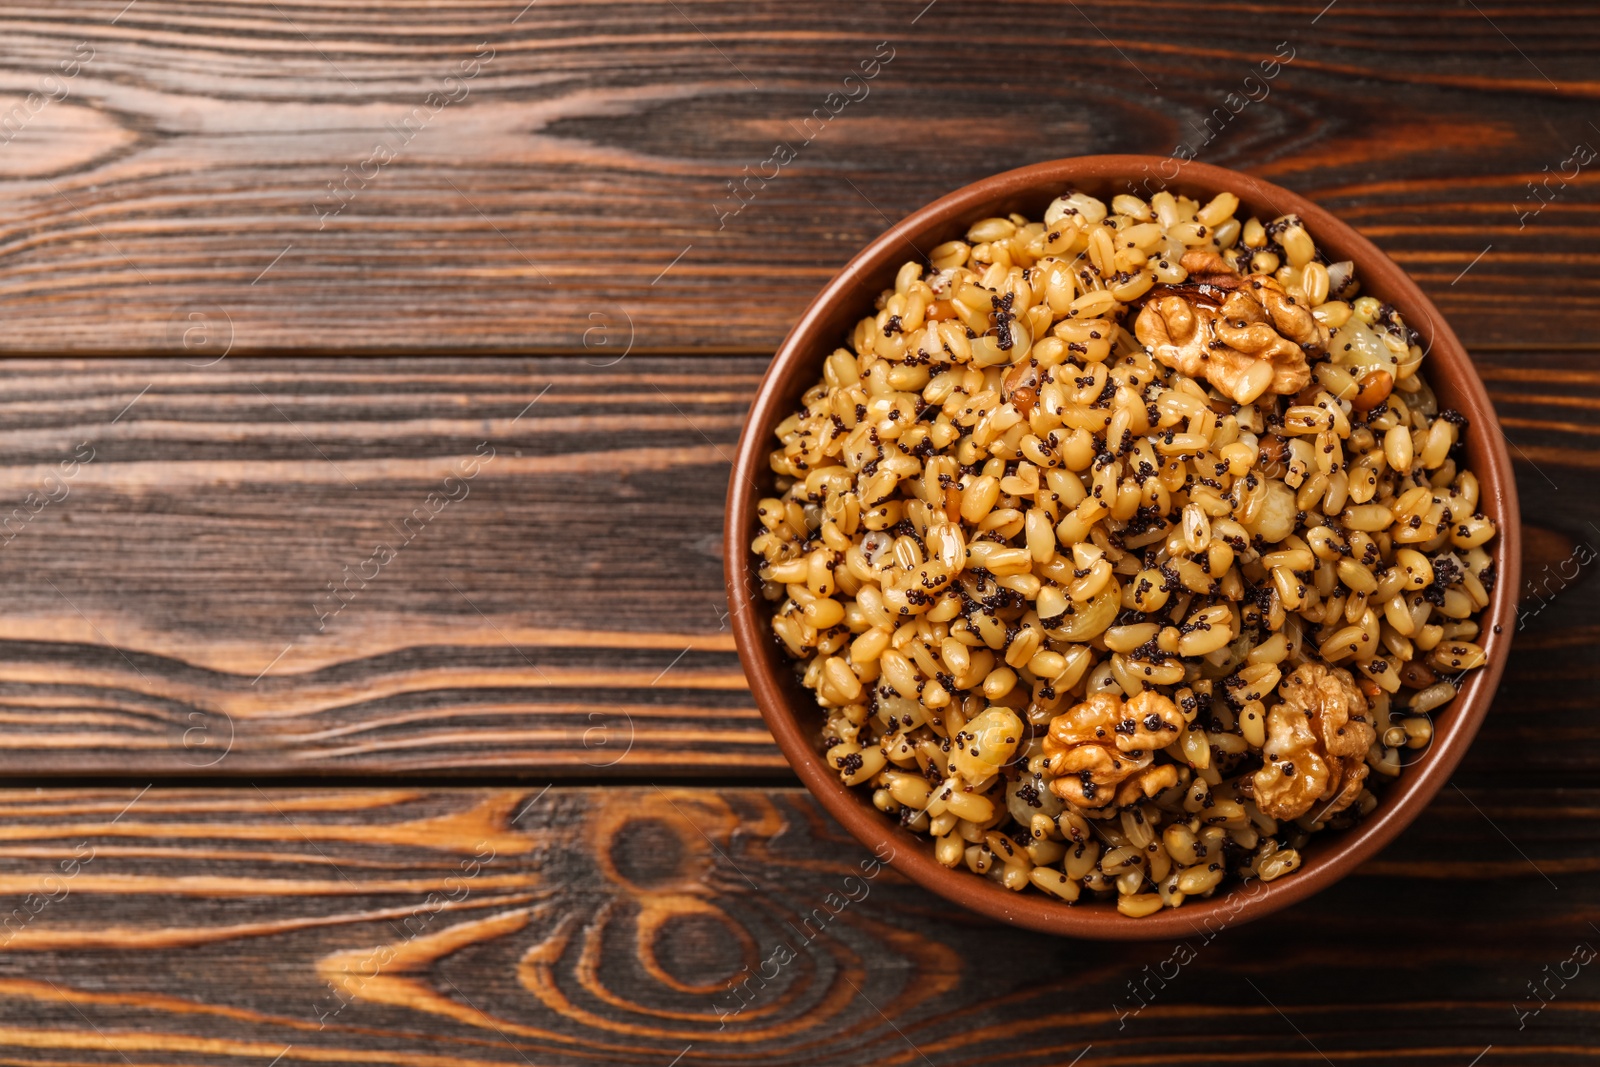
[1127, 548]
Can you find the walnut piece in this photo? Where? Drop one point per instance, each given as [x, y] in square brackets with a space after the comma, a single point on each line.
[1097, 745]
[1316, 743]
[1146, 784]
[1255, 343]
[1210, 267]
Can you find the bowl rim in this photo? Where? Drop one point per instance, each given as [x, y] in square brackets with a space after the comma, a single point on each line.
[854, 287]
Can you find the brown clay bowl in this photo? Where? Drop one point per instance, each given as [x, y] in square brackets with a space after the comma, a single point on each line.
[791, 712]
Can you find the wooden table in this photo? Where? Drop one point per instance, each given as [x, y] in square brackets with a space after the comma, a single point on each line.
[321, 749]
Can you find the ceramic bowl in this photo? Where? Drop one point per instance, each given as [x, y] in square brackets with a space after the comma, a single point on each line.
[792, 713]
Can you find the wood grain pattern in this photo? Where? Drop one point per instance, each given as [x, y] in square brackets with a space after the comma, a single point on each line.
[522, 546]
[194, 162]
[292, 557]
[168, 606]
[631, 926]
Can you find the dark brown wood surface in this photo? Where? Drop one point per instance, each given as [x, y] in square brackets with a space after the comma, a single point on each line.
[169, 610]
[187, 167]
[251, 359]
[559, 609]
[633, 925]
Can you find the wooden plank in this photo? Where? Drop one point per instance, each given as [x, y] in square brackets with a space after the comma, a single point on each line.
[168, 608]
[431, 928]
[232, 161]
[398, 565]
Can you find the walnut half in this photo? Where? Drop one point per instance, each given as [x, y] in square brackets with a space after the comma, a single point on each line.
[1102, 743]
[1316, 743]
[1255, 343]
